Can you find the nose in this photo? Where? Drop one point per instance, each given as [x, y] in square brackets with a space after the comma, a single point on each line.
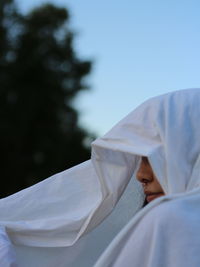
[144, 174]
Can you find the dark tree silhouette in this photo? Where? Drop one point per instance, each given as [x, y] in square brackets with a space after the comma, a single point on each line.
[40, 75]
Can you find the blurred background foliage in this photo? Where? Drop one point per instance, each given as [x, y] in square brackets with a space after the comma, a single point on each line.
[40, 75]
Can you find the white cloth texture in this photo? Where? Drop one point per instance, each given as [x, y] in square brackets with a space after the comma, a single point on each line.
[45, 222]
[166, 232]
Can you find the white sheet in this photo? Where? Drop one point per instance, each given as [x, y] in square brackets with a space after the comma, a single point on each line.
[45, 222]
[166, 232]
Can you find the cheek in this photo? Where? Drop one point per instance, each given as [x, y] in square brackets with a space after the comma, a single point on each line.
[157, 186]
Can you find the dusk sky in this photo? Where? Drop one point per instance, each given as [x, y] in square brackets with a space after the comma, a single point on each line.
[139, 49]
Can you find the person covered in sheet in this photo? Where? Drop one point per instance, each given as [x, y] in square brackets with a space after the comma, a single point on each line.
[159, 143]
[166, 231]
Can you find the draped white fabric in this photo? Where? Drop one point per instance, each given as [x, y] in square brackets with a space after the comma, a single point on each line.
[42, 224]
[8, 256]
[166, 232]
[89, 247]
[45, 222]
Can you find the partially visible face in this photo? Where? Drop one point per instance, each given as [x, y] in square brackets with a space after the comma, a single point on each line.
[151, 186]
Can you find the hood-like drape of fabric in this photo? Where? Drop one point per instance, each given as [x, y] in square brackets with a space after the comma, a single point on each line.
[44, 223]
[166, 130]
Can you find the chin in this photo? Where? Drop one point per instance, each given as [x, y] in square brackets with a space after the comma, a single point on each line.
[150, 198]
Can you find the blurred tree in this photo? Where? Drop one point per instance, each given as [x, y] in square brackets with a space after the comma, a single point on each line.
[40, 75]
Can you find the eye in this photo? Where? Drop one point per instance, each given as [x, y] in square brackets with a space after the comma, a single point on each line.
[145, 180]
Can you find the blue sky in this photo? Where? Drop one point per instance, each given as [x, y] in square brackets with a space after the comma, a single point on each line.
[139, 49]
